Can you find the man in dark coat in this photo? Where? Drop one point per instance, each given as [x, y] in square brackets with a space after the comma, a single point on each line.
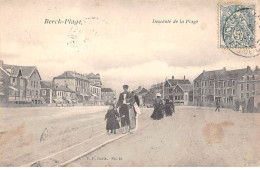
[122, 103]
[217, 105]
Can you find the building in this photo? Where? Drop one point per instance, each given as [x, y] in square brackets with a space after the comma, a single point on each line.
[95, 98]
[108, 95]
[20, 84]
[46, 91]
[156, 88]
[171, 84]
[182, 94]
[54, 94]
[204, 87]
[248, 90]
[143, 95]
[232, 88]
[94, 79]
[226, 86]
[76, 82]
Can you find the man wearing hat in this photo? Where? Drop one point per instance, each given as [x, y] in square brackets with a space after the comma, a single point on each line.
[122, 103]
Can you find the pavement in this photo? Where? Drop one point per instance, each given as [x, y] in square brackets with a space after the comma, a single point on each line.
[193, 136]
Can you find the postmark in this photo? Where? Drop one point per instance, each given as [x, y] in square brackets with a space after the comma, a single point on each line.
[238, 27]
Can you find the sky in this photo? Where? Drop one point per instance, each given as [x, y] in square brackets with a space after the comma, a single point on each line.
[117, 39]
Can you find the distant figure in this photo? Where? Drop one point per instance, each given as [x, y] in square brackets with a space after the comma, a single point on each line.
[111, 118]
[123, 104]
[168, 108]
[217, 106]
[173, 107]
[158, 108]
[136, 99]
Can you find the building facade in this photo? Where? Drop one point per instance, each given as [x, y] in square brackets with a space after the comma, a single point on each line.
[182, 94]
[232, 88]
[20, 84]
[204, 87]
[76, 82]
[108, 95]
[171, 84]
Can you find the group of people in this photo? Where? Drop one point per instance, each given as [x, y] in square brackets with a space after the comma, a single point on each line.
[161, 108]
[128, 105]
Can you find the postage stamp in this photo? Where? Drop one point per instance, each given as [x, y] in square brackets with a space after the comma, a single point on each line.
[236, 26]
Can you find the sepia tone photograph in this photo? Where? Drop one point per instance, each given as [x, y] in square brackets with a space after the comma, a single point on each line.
[131, 83]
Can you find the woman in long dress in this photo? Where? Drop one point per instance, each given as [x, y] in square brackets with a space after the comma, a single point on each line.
[132, 113]
[158, 108]
[168, 108]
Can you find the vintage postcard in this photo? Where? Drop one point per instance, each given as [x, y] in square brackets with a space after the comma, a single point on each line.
[131, 83]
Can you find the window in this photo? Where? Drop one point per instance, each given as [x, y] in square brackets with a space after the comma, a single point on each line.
[44, 92]
[242, 95]
[205, 83]
[247, 86]
[224, 84]
[233, 91]
[233, 83]
[13, 82]
[36, 92]
[253, 93]
[247, 95]
[242, 87]
[224, 91]
[253, 86]
[210, 83]
[247, 77]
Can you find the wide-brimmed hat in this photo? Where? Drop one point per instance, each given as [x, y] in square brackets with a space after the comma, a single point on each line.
[158, 94]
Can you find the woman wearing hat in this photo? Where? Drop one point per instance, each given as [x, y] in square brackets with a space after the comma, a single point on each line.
[158, 108]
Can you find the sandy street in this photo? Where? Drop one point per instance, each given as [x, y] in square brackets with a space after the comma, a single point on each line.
[191, 137]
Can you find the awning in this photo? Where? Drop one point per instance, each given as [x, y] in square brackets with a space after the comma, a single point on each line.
[13, 88]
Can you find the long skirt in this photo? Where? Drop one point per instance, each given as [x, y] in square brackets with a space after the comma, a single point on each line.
[157, 113]
[132, 118]
[168, 110]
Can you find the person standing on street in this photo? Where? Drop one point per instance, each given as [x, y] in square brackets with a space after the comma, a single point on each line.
[158, 108]
[123, 105]
[217, 106]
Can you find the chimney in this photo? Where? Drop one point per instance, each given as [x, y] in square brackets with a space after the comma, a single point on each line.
[204, 71]
[172, 77]
[184, 77]
[248, 69]
[256, 68]
[224, 68]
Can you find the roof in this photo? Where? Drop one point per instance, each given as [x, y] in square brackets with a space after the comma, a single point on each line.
[186, 87]
[46, 84]
[174, 82]
[72, 74]
[92, 76]
[144, 90]
[209, 75]
[106, 90]
[232, 74]
[62, 88]
[14, 70]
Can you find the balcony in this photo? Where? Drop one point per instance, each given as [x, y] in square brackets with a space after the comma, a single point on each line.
[17, 98]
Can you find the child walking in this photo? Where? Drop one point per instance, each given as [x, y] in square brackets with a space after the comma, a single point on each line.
[111, 118]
